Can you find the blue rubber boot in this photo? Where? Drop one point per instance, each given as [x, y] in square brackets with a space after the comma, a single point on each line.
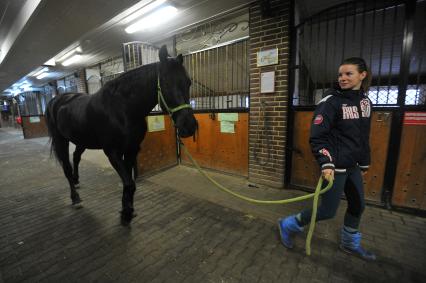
[287, 227]
[351, 243]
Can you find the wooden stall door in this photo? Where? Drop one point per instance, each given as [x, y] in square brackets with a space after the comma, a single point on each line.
[215, 149]
[305, 170]
[379, 141]
[34, 126]
[158, 149]
[410, 183]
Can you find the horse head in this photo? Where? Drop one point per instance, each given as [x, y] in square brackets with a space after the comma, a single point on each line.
[174, 84]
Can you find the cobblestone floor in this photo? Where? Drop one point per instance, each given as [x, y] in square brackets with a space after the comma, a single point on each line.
[184, 232]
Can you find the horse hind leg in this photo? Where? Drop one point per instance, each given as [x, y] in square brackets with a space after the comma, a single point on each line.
[62, 153]
[76, 161]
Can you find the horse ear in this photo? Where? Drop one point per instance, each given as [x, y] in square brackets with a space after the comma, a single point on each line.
[179, 58]
[163, 54]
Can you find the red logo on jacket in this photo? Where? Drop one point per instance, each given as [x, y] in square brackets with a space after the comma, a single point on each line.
[326, 153]
[318, 119]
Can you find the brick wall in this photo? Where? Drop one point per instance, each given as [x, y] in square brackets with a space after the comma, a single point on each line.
[81, 80]
[268, 112]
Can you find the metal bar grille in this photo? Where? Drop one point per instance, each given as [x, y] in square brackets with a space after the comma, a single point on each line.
[219, 77]
[372, 30]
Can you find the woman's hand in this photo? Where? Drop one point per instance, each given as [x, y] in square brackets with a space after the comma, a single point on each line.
[328, 174]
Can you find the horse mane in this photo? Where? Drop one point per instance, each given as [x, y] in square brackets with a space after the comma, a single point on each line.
[129, 77]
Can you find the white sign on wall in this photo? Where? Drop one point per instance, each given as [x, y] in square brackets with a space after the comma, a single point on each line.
[267, 82]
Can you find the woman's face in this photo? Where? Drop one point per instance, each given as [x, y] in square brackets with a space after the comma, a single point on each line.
[350, 78]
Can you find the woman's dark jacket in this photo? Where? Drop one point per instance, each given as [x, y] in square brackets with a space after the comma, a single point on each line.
[340, 130]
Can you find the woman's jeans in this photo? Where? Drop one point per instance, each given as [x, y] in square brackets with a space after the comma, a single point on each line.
[351, 183]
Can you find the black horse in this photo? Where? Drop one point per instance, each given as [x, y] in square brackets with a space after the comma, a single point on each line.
[113, 119]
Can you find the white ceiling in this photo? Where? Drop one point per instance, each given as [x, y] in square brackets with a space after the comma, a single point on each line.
[42, 29]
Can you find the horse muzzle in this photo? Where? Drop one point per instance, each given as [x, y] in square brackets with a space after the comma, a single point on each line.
[186, 123]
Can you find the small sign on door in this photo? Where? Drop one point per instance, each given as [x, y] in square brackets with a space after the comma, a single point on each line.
[415, 118]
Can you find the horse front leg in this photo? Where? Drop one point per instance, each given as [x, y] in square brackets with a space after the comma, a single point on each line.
[62, 152]
[129, 187]
[76, 161]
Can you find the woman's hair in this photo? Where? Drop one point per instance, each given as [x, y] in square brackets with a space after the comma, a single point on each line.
[361, 66]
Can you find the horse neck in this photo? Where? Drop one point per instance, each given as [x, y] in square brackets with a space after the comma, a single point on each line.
[143, 91]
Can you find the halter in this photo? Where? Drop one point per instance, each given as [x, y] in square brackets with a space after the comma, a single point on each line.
[161, 99]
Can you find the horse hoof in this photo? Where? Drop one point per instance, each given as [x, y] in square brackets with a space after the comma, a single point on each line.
[77, 206]
[76, 201]
[126, 218]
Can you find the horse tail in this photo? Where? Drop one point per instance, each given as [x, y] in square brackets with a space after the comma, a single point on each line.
[52, 128]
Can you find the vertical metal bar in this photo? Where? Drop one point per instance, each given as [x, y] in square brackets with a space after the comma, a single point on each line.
[395, 14]
[318, 59]
[372, 44]
[204, 78]
[192, 76]
[197, 68]
[422, 45]
[226, 76]
[246, 70]
[210, 78]
[217, 79]
[344, 32]
[379, 76]
[237, 60]
[335, 47]
[397, 119]
[232, 76]
[361, 42]
[324, 76]
[308, 68]
[291, 86]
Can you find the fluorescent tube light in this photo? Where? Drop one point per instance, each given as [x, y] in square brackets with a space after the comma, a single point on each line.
[72, 60]
[50, 62]
[45, 69]
[151, 6]
[68, 54]
[154, 19]
[42, 75]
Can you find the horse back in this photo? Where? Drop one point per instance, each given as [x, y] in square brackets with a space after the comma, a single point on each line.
[70, 111]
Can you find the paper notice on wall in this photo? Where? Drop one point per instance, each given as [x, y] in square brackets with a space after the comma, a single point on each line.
[155, 123]
[34, 119]
[227, 127]
[267, 82]
[232, 117]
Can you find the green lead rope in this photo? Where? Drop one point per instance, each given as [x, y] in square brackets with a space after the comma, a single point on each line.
[315, 195]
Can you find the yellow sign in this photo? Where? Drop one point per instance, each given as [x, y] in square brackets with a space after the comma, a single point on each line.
[155, 123]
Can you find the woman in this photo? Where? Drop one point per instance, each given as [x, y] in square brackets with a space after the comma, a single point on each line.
[339, 140]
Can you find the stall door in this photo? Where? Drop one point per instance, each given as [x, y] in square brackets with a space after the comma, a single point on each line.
[410, 182]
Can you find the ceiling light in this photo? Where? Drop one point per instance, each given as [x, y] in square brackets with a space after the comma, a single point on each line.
[68, 54]
[72, 60]
[42, 75]
[50, 62]
[151, 6]
[156, 18]
[40, 71]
